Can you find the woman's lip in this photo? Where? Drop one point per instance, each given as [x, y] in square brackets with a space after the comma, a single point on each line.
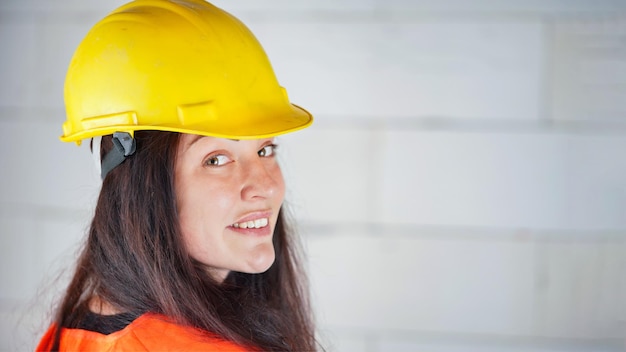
[267, 229]
[262, 231]
[254, 216]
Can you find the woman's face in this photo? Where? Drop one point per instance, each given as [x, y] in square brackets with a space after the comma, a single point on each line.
[228, 195]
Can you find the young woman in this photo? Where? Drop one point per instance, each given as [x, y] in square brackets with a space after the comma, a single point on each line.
[188, 248]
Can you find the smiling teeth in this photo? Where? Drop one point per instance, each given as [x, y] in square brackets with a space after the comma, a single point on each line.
[253, 224]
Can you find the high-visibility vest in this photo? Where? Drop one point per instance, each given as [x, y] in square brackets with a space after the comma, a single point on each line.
[149, 332]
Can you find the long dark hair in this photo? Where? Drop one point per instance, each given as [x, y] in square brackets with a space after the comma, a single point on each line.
[135, 260]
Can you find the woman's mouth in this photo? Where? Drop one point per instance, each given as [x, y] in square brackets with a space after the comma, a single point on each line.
[252, 224]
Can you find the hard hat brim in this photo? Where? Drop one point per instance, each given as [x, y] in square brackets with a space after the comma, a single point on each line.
[265, 127]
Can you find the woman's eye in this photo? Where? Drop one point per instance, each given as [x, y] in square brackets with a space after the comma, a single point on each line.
[217, 160]
[268, 150]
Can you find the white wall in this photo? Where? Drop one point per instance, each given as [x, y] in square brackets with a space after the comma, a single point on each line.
[462, 189]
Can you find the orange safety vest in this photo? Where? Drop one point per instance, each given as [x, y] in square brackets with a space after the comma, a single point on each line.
[149, 332]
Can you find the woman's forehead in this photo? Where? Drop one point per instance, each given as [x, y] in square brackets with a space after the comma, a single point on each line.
[187, 140]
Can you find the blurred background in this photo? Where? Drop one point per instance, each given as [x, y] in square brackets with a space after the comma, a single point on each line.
[462, 189]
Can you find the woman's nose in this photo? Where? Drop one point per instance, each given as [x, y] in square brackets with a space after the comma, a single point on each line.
[262, 179]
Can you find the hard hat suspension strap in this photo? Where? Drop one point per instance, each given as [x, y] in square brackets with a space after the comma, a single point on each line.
[95, 152]
[124, 145]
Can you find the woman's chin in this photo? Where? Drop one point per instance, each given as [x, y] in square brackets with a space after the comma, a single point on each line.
[261, 261]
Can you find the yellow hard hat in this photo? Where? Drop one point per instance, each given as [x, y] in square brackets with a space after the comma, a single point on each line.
[182, 66]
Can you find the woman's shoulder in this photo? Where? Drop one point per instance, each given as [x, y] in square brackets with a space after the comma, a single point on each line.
[157, 332]
[149, 332]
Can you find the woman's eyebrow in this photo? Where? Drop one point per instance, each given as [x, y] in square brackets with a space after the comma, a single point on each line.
[194, 140]
[198, 137]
